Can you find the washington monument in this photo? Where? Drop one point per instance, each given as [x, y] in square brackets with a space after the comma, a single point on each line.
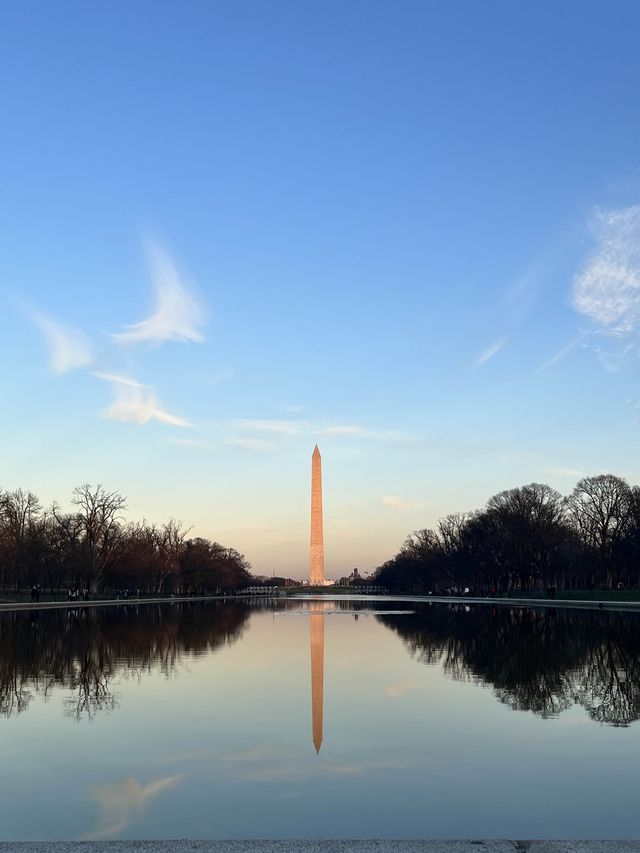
[316, 572]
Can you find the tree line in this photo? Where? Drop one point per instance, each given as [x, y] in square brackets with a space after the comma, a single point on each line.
[94, 548]
[528, 538]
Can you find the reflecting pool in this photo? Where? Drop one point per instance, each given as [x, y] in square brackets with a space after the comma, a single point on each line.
[334, 717]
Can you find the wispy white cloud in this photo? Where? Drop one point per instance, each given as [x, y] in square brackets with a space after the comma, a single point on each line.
[177, 315]
[391, 436]
[251, 444]
[565, 472]
[137, 404]
[117, 379]
[617, 354]
[395, 502]
[490, 351]
[520, 297]
[558, 356]
[222, 376]
[123, 802]
[283, 430]
[293, 408]
[251, 753]
[191, 442]
[269, 426]
[607, 290]
[69, 348]
[276, 770]
[268, 763]
[345, 429]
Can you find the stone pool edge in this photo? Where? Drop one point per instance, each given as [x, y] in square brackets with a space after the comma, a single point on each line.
[566, 603]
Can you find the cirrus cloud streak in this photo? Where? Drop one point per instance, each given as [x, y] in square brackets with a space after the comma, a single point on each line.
[489, 352]
[69, 348]
[396, 502]
[177, 315]
[136, 403]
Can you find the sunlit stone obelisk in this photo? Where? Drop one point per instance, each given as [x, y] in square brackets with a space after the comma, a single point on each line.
[316, 574]
[317, 677]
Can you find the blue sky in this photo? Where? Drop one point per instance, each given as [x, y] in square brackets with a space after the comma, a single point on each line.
[407, 231]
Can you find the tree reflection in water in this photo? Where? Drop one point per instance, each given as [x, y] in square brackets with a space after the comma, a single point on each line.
[540, 660]
[87, 650]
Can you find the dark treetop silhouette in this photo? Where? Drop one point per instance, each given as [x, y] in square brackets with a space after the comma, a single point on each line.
[528, 538]
[93, 548]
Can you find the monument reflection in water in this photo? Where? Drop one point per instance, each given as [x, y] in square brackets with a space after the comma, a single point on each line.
[316, 621]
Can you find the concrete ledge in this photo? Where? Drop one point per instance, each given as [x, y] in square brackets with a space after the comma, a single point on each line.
[108, 602]
[581, 604]
[372, 846]
[6, 606]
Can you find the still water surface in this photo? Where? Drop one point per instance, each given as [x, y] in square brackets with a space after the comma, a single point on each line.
[333, 718]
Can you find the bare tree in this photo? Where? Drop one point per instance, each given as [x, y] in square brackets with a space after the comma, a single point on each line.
[600, 509]
[19, 511]
[422, 544]
[98, 520]
[169, 541]
[530, 527]
[451, 531]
